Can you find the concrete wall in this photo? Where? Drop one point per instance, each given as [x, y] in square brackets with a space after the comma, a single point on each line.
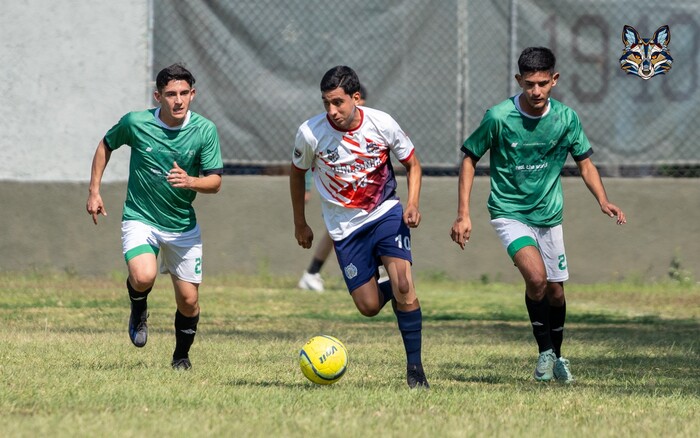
[71, 68]
[249, 225]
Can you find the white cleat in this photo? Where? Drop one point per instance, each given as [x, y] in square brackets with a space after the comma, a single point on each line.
[312, 282]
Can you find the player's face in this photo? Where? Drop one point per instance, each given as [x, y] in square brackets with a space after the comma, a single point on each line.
[174, 99]
[537, 87]
[342, 108]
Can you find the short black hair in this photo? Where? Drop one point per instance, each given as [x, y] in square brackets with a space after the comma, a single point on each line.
[341, 76]
[175, 72]
[534, 59]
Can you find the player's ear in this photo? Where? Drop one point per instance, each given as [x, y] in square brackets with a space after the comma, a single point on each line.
[156, 96]
[555, 78]
[192, 94]
[519, 79]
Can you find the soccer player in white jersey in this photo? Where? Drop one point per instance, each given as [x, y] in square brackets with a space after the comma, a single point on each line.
[175, 153]
[348, 148]
[311, 278]
[530, 136]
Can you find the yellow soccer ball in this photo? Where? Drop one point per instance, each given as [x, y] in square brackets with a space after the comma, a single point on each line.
[323, 359]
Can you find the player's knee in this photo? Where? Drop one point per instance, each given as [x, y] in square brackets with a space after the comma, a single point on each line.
[536, 288]
[556, 296]
[403, 286]
[368, 310]
[189, 307]
[141, 281]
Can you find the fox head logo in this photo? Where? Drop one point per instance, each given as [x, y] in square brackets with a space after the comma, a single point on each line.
[646, 57]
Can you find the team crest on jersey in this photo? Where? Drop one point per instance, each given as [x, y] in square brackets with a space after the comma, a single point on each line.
[350, 271]
[333, 155]
[372, 147]
[646, 58]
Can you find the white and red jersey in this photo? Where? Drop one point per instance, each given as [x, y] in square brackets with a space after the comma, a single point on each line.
[352, 170]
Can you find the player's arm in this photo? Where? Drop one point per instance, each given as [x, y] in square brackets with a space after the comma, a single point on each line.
[94, 205]
[591, 177]
[462, 226]
[414, 176]
[302, 230]
[178, 178]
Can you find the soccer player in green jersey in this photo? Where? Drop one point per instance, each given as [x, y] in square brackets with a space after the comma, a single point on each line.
[530, 136]
[175, 153]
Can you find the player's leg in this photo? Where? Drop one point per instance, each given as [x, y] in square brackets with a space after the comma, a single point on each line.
[181, 257]
[520, 242]
[551, 242]
[186, 320]
[394, 247]
[358, 264]
[409, 318]
[557, 318]
[139, 245]
[311, 279]
[529, 263]
[557, 314]
[143, 270]
[366, 298]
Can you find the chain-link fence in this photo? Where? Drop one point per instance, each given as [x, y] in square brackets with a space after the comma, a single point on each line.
[436, 66]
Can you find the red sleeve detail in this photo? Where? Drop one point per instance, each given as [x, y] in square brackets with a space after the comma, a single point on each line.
[409, 156]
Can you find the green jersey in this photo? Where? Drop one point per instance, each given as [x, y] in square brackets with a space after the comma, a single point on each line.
[154, 147]
[527, 156]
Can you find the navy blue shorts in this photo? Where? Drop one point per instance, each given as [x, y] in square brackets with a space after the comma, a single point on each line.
[359, 253]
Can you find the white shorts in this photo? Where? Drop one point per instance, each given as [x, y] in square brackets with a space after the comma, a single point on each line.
[180, 253]
[516, 235]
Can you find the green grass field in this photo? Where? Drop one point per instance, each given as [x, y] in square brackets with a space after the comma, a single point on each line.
[67, 367]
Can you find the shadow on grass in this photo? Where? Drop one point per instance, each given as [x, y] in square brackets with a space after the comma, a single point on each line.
[267, 383]
[680, 334]
[624, 375]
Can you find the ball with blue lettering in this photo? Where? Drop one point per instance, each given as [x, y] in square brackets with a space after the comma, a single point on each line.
[323, 359]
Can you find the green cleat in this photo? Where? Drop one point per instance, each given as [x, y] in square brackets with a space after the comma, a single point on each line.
[562, 372]
[544, 372]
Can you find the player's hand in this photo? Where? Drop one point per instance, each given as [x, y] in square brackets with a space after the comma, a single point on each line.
[411, 216]
[304, 235]
[95, 206]
[461, 230]
[613, 210]
[178, 178]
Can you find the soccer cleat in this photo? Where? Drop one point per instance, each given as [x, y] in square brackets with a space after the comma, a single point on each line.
[545, 366]
[182, 364]
[138, 328]
[311, 282]
[415, 377]
[562, 372]
[383, 275]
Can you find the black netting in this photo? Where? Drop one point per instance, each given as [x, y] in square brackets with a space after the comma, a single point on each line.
[436, 66]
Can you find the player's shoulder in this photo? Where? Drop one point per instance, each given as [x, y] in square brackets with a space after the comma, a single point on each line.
[314, 125]
[500, 111]
[503, 108]
[137, 117]
[562, 110]
[377, 116]
[197, 119]
[380, 121]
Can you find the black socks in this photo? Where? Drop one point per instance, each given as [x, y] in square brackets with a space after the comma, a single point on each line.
[539, 318]
[185, 330]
